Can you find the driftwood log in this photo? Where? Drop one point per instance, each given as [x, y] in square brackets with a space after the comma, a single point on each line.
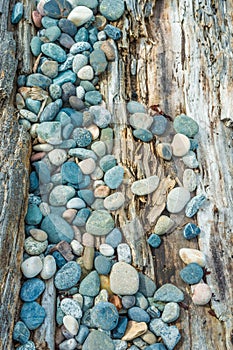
[175, 54]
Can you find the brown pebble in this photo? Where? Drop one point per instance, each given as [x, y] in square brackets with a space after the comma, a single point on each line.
[69, 215]
[102, 192]
[109, 51]
[88, 240]
[38, 235]
[134, 330]
[38, 156]
[88, 258]
[76, 103]
[116, 300]
[105, 284]
[100, 22]
[64, 249]
[77, 234]
[36, 17]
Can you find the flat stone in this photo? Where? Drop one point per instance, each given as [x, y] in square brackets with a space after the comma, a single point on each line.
[93, 97]
[50, 68]
[50, 111]
[201, 294]
[57, 229]
[100, 223]
[66, 41]
[57, 156]
[180, 145]
[39, 80]
[134, 330]
[168, 292]
[65, 77]
[191, 231]
[149, 338]
[32, 117]
[114, 238]
[33, 105]
[49, 267]
[135, 107]
[31, 267]
[189, 255]
[190, 160]
[36, 17]
[112, 10]
[79, 47]
[77, 247]
[21, 333]
[171, 312]
[154, 240]
[71, 307]
[33, 247]
[128, 301]
[32, 289]
[54, 51]
[140, 121]
[155, 346]
[76, 203]
[50, 132]
[102, 117]
[159, 125]
[82, 334]
[114, 201]
[112, 32]
[146, 285]
[52, 33]
[80, 92]
[114, 177]
[87, 196]
[57, 8]
[27, 346]
[194, 205]
[185, 125]
[80, 15]
[55, 91]
[82, 137]
[71, 173]
[67, 26]
[79, 62]
[107, 48]
[35, 46]
[120, 273]
[106, 249]
[90, 285]
[141, 301]
[139, 315]
[192, 273]
[124, 253]
[34, 215]
[98, 340]
[71, 324]
[76, 103]
[102, 265]
[143, 135]
[105, 316]
[88, 257]
[47, 21]
[86, 73]
[164, 151]
[60, 195]
[163, 225]
[145, 186]
[68, 276]
[189, 180]
[177, 199]
[32, 314]
[17, 13]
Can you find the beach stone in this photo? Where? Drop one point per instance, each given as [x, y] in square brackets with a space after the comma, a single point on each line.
[80, 15]
[145, 186]
[76, 203]
[93, 97]
[50, 111]
[81, 217]
[34, 215]
[124, 253]
[102, 265]
[60, 195]
[168, 292]
[106, 9]
[48, 21]
[155, 346]
[180, 145]
[76, 103]
[31, 266]
[114, 177]
[68, 276]
[98, 61]
[32, 314]
[119, 344]
[52, 33]
[190, 160]
[101, 191]
[27, 346]
[163, 225]
[154, 240]
[171, 312]
[139, 315]
[36, 17]
[159, 125]
[79, 47]
[87, 196]
[32, 117]
[50, 68]
[57, 156]
[39, 80]
[141, 301]
[87, 85]
[71, 324]
[20, 103]
[107, 137]
[50, 132]
[177, 199]
[90, 285]
[185, 125]
[143, 135]
[201, 294]
[69, 344]
[32, 289]
[57, 8]
[114, 201]
[54, 51]
[106, 249]
[134, 330]
[38, 235]
[35, 46]
[189, 180]
[108, 48]
[80, 92]
[128, 301]
[94, 130]
[114, 238]
[194, 205]
[105, 316]
[21, 333]
[189, 255]
[146, 285]
[71, 307]
[86, 73]
[149, 338]
[120, 273]
[17, 13]
[88, 258]
[102, 117]
[164, 151]
[82, 334]
[100, 223]
[57, 229]
[191, 231]
[66, 41]
[77, 247]
[33, 105]
[67, 76]
[79, 62]
[82, 137]
[112, 32]
[55, 91]
[49, 267]
[98, 340]
[33, 247]
[67, 26]
[192, 273]
[140, 121]
[71, 173]
[135, 107]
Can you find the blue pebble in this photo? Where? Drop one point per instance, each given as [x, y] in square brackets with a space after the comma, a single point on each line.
[87, 196]
[112, 32]
[194, 205]
[82, 137]
[65, 77]
[143, 135]
[85, 182]
[193, 144]
[82, 153]
[191, 231]
[57, 228]
[71, 173]
[68, 276]
[27, 346]
[154, 240]
[114, 238]
[80, 47]
[114, 177]
[33, 105]
[21, 80]
[105, 316]
[156, 346]
[192, 273]
[139, 315]
[50, 111]
[42, 171]
[32, 314]
[81, 217]
[82, 35]
[34, 181]
[93, 98]
[17, 13]
[67, 26]
[48, 22]
[82, 334]
[34, 215]
[57, 8]
[67, 131]
[38, 79]
[36, 46]
[120, 329]
[32, 289]
[60, 261]
[21, 333]
[76, 117]
[107, 162]
[159, 125]
[102, 265]
[153, 312]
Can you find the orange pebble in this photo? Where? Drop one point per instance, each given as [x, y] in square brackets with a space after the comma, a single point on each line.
[116, 300]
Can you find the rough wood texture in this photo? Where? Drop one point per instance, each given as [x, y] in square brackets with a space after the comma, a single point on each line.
[178, 55]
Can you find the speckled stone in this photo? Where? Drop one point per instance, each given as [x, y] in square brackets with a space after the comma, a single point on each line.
[67, 276]
[154, 240]
[163, 225]
[57, 229]
[192, 273]
[90, 285]
[98, 340]
[114, 201]
[168, 292]
[185, 125]
[114, 177]
[33, 247]
[60, 195]
[71, 307]
[32, 289]
[145, 186]
[112, 32]
[54, 51]
[177, 199]
[100, 223]
[170, 335]
[120, 273]
[82, 137]
[105, 316]
[190, 160]
[38, 79]
[71, 173]
[194, 205]
[50, 132]
[27, 346]
[17, 13]
[21, 333]
[102, 117]
[191, 231]
[143, 135]
[171, 312]
[135, 107]
[112, 10]
[50, 68]
[140, 121]
[159, 125]
[189, 180]
[57, 8]
[189, 255]
[32, 314]
[124, 253]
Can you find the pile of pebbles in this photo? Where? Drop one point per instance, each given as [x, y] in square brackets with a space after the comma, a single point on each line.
[103, 302]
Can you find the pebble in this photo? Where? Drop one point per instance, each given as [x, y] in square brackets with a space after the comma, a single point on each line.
[32, 289]
[154, 240]
[54, 51]
[82, 137]
[171, 312]
[156, 346]
[52, 33]
[35, 46]
[87, 196]
[33, 105]
[86, 73]
[112, 10]
[134, 330]
[114, 238]
[146, 285]
[143, 135]
[33, 247]
[105, 316]
[90, 285]
[67, 26]
[102, 265]
[140, 121]
[177, 199]
[112, 32]
[36, 17]
[98, 340]
[124, 253]
[164, 151]
[120, 273]
[57, 8]
[50, 68]
[107, 48]
[163, 225]
[27, 346]
[77, 247]
[128, 301]
[191, 231]
[32, 117]
[69, 344]
[189, 180]
[57, 156]
[168, 292]
[101, 116]
[48, 21]
[65, 77]
[66, 41]
[148, 337]
[190, 160]
[192, 273]
[94, 130]
[98, 61]
[31, 267]
[17, 13]
[71, 173]
[79, 62]
[67, 276]
[32, 314]
[185, 125]
[114, 201]
[88, 258]
[201, 294]
[71, 307]
[21, 333]
[194, 205]
[50, 132]
[180, 145]
[93, 97]
[106, 249]
[69, 215]
[60, 195]
[82, 334]
[145, 186]
[71, 324]
[80, 15]
[49, 267]
[76, 103]
[100, 223]
[159, 125]
[189, 255]
[139, 315]
[135, 107]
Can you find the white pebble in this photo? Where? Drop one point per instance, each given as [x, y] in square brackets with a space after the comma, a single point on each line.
[57, 156]
[49, 267]
[189, 256]
[70, 344]
[32, 266]
[201, 294]
[77, 247]
[180, 145]
[87, 166]
[71, 324]
[189, 180]
[80, 15]
[177, 199]
[94, 130]
[86, 73]
[114, 201]
[145, 186]
[80, 92]
[124, 253]
[106, 249]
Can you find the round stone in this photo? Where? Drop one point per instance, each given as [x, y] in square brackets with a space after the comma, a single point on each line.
[98, 340]
[168, 292]
[189, 255]
[143, 135]
[107, 47]
[52, 33]
[180, 145]
[33, 247]
[201, 294]
[177, 199]
[31, 266]
[54, 51]
[124, 279]
[71, 324]
[90, 285]
[192, 273]
[67, 26]
[34, 215]
[71, 307]
[102, 265]
[49, 267]
[86, 73]
[191, 231]
[128, 301]
[76, 203]
[189, 180]
[57, 156]
[163, 225]
[112, 10]
[80, 15]
[106, 249]
[93, 97]
[56, 8]
[145, 186]
[32, 314]
[140, 121]
[105, 316]
[114, 238]
[114, 177]
[102, 117]
[139, 315]
[66, 41]
[69, 344]
[100, 223]
[159, 125]
[32, 289]
[60, 195]
[57, 229]
[185, 125]
[68, 276]
[35, 46]
[114, 201]
[71, 173]
[87, 166]
[171, 312]
[82, 137]
[21, 333]
[77, 248]
[38, 235]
